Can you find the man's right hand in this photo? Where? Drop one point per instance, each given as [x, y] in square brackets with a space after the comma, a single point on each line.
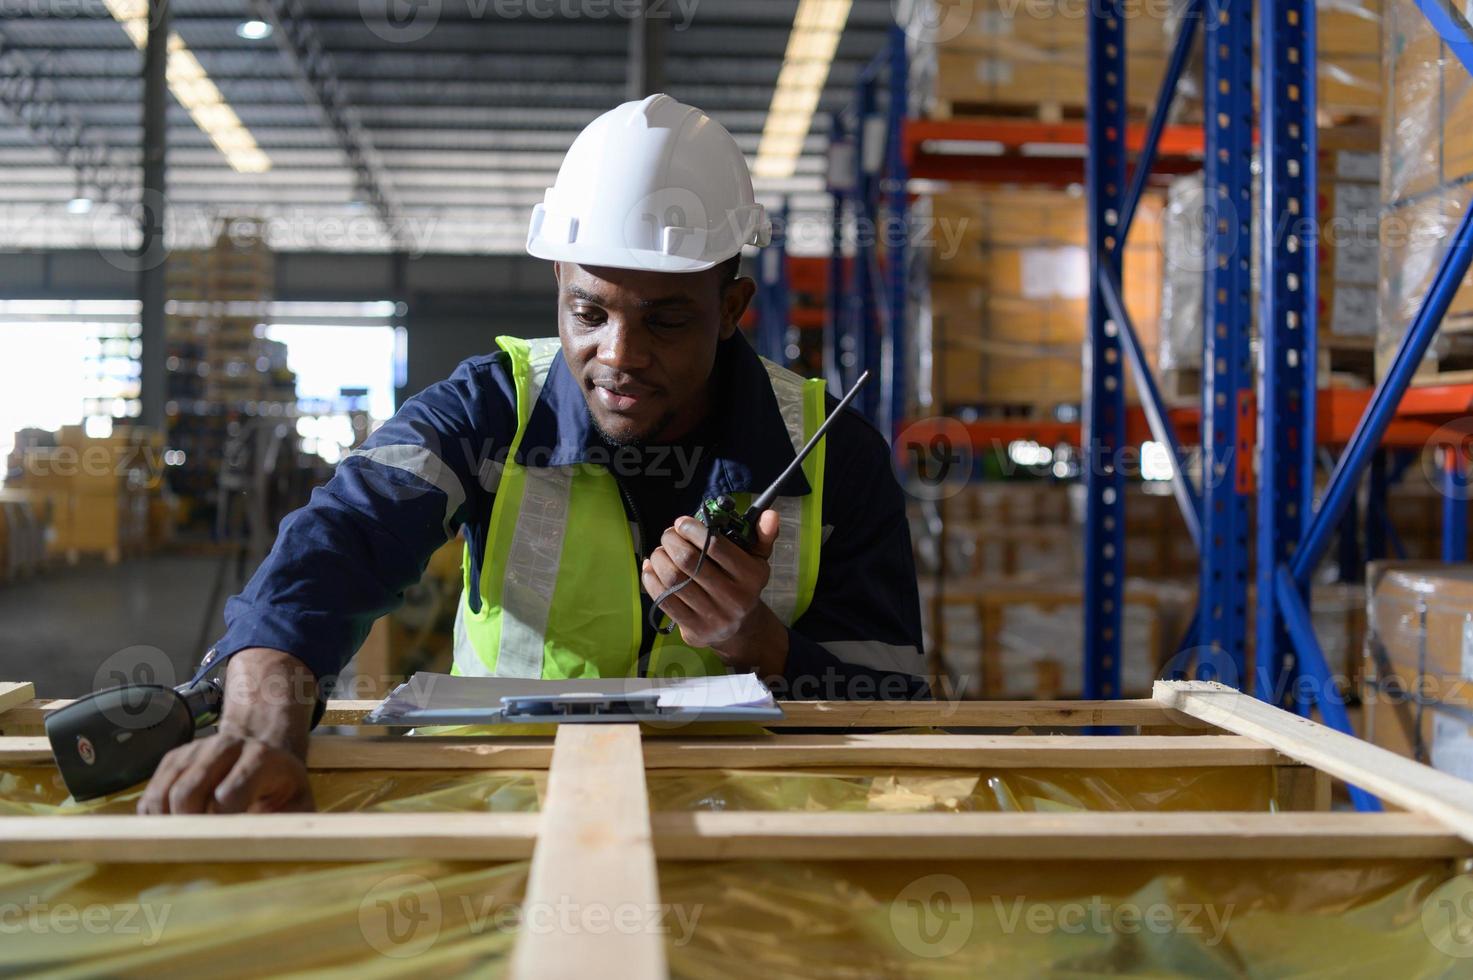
[257, 761]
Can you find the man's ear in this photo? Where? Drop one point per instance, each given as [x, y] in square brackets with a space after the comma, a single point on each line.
[735, 298]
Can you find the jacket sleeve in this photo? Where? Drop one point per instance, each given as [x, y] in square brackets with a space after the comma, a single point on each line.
[366, 535]
[860, 637]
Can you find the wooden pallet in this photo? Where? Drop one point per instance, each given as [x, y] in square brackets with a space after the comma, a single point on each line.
[596, 842]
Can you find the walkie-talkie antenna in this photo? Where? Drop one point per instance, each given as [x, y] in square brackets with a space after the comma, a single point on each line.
[768, 495]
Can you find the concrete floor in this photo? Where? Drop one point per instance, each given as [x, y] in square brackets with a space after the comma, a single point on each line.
[73, 630]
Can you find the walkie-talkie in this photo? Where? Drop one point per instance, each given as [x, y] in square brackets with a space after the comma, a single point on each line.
[721, 516]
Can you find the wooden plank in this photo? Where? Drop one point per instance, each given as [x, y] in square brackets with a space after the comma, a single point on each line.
[269, 837]
[851, 714]
[962, 751]
[1303, 788]
[1408, 784]
[775, 751]
[594, 856]
[737, 836]
[1207, 836]
[13, 694]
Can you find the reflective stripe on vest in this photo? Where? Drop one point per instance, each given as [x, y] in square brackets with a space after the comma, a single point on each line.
[559, 586]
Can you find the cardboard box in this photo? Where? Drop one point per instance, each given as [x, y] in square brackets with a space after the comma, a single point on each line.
[1419, 662]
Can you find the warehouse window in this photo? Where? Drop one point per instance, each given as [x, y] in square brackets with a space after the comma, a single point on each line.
[63, 362]
[346, 359]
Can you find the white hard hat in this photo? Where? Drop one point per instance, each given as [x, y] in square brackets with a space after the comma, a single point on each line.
[654, 184]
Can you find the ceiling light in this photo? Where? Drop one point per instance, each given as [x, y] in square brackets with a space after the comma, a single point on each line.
[253, 30]
[191, 85]
[815, 37]
[79, 205]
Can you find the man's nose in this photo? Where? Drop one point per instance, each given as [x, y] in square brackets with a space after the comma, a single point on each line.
[624, 346]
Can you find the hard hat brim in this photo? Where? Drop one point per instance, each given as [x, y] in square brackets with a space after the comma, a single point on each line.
[644, 260]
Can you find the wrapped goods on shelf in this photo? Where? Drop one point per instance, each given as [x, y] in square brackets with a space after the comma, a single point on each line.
[1427, 181]
[1347, 259]
[1418, 680]
[1007, 309]
[1023, 637]
[991, 56]
[1182, 238]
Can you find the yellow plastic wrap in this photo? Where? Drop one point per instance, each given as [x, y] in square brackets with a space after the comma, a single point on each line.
[1427, 179]
[381, 919]
[38, 791]
[1016, 790]
[834, 919]
[1074, 919]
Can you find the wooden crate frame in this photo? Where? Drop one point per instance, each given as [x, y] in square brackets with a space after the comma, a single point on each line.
[596, 841]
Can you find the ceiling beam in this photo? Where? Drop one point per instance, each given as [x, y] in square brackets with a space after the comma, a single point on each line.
[298, 41]
[32, 100]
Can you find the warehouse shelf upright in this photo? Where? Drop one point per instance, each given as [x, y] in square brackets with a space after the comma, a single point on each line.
[1282, 422]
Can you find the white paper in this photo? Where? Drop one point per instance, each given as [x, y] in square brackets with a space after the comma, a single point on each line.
[438, 692]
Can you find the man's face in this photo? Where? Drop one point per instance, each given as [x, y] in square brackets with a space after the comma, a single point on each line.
[643, 344]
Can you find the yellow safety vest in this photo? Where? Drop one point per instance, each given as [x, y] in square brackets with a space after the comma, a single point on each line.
[559, 583]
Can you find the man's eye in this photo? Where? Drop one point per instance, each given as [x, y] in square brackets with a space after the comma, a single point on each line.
[587, 316]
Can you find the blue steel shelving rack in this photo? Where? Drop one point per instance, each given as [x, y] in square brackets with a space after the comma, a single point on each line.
[1278, 418]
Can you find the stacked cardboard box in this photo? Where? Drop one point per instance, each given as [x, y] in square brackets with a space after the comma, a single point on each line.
[1427, 162]
[1349, 203]
[1347, 265]
[221, 366]
[987, 56]
[1008, 307]
[1349, 75]
[991, 55]
[1418, 690]
[1004, 638]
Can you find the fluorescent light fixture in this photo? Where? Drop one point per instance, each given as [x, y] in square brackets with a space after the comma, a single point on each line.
[191, 85]
[79, 205]
[253, 30]
[816, 29]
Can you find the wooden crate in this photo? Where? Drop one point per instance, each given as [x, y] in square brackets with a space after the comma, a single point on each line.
[595, 842]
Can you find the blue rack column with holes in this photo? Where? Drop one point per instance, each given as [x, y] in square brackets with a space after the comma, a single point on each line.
[1103, 427]
[1288, 325]
[869, 307]
[1227, 369]
[1292, 576]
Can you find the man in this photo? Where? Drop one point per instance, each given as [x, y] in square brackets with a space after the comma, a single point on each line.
[569, 467]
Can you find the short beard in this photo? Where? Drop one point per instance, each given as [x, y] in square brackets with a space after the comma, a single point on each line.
[638, 442]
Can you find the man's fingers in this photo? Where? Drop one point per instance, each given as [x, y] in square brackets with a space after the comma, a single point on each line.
[694, 595]
[678, 611]
[155, 798]
[769, 525]
[264, 780]
[191, 790]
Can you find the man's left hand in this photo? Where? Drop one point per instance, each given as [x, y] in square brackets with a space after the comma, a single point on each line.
[722, 607]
